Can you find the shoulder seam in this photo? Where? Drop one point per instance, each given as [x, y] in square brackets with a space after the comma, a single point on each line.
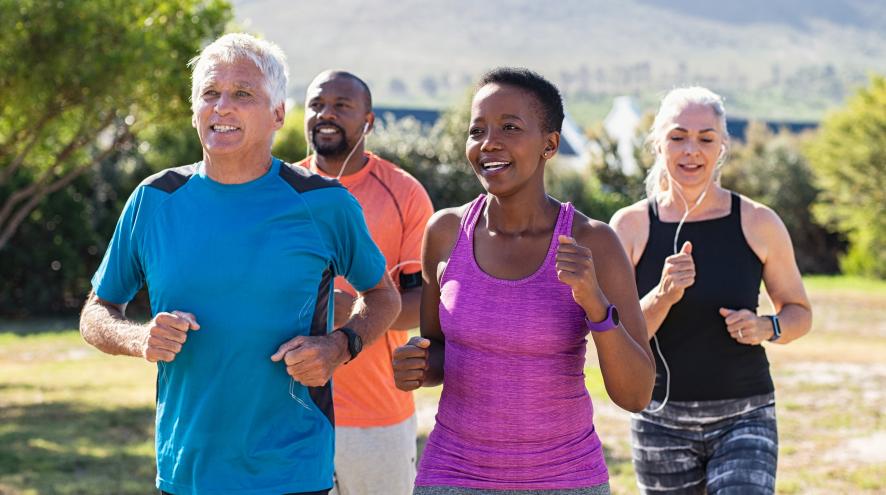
[170, 179]
[303, 180]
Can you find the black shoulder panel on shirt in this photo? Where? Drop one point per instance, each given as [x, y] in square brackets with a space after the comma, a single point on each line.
[171, 179]
[303, 180]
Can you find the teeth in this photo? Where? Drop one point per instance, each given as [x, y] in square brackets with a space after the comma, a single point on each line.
[327, 130]
[495, 165]
[223, 128]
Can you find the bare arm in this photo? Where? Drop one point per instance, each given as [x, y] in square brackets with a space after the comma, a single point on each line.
[410, 302]
[785, 285]
[374, 311]
[677, 274]
[631, 224]
[103, 324]
[771, 242]
[655, 307]
[311, 360]
[600, 275]
[419, 363]
[418, 212]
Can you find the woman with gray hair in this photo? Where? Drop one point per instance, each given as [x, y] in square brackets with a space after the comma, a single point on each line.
[699, 252]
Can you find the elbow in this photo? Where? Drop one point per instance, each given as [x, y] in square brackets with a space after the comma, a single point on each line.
[636, 403]
[84, 324]
[642, 398]
[638, 397]
[87, 320]
[87, 332]
[807, 323]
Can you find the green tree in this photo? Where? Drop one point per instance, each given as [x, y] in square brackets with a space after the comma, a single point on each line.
[849, 160]
[770, 168]
[80, 80]
[605, 188]
[289, 143]
[607, 169]
[435, 155]
[584, 191]
[66, 69]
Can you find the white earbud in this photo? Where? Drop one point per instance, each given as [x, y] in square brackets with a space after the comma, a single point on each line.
[348, 158]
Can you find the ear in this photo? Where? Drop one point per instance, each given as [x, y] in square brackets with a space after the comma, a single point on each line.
[279, 116]
[370, 123]
[552, 145]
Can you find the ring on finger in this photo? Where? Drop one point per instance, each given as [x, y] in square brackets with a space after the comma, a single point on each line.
[739, 334]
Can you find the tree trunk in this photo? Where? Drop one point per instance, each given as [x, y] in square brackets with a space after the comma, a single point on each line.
[13, 213]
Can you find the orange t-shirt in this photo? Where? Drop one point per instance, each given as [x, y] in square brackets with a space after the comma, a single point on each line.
[396, 208]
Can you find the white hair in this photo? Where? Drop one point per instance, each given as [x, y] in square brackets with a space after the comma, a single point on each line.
[671, 105]
[235, 47]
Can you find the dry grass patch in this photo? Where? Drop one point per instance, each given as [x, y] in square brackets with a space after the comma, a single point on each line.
[75, 421]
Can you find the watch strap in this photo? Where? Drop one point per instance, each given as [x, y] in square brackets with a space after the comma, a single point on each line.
[776, 328]
[353, 348]
[607, 324]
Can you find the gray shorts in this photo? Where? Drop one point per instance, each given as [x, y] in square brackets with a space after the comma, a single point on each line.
[717, 447]
[379, 460]
[602, 489]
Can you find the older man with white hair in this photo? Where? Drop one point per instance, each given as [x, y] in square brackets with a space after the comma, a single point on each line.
[239, 252]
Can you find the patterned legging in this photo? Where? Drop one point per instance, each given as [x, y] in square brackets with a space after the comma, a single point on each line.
[719, 447]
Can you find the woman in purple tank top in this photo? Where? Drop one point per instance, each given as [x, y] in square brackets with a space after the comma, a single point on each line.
[513, 284]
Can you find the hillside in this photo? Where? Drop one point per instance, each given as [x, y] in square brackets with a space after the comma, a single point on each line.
[789, 59]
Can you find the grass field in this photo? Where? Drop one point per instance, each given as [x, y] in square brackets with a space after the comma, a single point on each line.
[74, 421]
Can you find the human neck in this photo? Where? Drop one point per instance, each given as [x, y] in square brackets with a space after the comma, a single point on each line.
[237, 169]
[516, 215]
[692, 200]
[333, 165]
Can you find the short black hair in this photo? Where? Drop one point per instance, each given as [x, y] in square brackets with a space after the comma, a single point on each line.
[547, 95]
[360, 82]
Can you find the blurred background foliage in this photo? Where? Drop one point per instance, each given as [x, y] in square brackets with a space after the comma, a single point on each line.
[94, 98]
[78, 133]
[848, 157]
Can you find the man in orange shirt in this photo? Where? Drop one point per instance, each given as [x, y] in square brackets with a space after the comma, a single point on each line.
[375, 422]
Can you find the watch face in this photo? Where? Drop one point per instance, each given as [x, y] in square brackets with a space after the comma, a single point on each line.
[615, 319]
[358, 343]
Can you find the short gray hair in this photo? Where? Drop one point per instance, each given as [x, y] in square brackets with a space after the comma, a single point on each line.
[233, 47]
[672, 104]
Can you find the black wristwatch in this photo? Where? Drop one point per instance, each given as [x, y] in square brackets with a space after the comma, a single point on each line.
[776, 328]
[355, 342]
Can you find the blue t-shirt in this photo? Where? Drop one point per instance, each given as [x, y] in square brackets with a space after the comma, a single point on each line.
[254, 263]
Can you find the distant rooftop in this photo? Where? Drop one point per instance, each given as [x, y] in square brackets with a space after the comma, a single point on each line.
[738, 127]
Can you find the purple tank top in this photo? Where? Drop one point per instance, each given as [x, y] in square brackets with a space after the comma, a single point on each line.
[514, 413]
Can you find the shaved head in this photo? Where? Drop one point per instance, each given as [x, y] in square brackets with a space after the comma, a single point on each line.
[360, 85]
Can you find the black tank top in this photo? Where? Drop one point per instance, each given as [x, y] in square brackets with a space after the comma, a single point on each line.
[705, 362]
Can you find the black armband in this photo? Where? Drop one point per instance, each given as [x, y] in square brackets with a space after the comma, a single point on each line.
[410, 280]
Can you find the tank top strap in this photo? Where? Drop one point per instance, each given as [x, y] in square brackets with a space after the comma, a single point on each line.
[652, 208]
[735, 210]
[470, 219]
[564, 220]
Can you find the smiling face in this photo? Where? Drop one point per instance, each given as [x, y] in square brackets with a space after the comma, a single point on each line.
[233, 114]
[336, 113]
[692, 145]
[506, 142]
